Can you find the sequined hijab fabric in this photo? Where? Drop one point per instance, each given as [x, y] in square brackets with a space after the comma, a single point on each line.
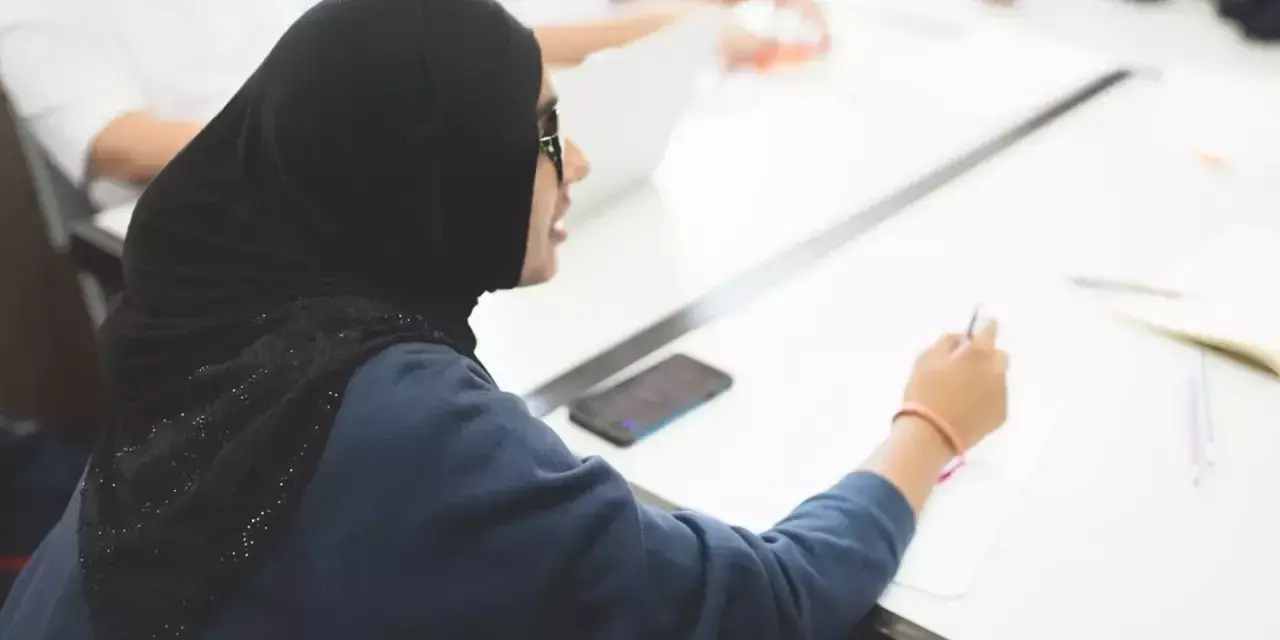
[367, 184]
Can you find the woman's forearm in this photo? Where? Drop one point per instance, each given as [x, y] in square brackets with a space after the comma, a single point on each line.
[911, 459]
[136, 146]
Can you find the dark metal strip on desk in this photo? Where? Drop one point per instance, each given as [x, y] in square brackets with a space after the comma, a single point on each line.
[882, 624]
[791, 262]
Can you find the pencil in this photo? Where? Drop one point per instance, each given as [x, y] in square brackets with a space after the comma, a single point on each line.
[973, 323]
[956, 466]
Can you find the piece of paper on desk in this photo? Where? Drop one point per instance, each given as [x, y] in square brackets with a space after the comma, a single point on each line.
[965, 514]
[1230, 298]
[962, 522]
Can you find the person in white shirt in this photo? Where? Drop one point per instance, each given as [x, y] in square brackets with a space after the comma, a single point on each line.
[113, 89]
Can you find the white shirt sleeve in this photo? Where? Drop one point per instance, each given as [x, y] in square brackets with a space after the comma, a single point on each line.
[64, 79]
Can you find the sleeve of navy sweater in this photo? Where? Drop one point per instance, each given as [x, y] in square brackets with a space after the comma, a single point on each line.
[526, 534]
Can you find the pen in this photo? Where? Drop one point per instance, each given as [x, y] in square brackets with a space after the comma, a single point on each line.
[1124, 287]
[1197, 440]
[1202, 410]
[954, 467]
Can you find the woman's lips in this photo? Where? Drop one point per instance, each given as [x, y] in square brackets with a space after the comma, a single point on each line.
[558, 233]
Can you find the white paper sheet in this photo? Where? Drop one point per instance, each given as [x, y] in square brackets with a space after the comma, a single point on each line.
[965, 514]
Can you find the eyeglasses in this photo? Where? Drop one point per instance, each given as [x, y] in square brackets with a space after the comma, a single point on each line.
[549, 143]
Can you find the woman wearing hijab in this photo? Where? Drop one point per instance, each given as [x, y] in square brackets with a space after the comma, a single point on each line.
[303, 443]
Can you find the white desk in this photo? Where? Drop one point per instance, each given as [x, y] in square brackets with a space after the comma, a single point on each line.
[1108, 539]
[763, 163]
[1172, 33]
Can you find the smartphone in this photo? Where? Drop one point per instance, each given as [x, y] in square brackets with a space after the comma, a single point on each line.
[882, 624]
[649, 400]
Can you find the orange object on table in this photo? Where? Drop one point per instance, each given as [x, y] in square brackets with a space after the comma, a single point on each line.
[785, 55]
[1211, 159]
[795, 49]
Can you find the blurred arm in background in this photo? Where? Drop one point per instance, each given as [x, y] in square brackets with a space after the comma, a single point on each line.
[570, 44]
[135, 146]
[75, 92]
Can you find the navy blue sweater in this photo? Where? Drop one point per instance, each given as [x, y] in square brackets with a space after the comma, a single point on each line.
[442, 509]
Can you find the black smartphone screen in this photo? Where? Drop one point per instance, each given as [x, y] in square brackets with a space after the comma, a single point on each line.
[648, 401]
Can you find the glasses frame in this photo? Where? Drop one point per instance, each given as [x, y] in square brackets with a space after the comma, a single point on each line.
[551, 145]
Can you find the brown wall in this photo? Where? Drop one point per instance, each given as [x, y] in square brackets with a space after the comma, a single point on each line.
[48, 356]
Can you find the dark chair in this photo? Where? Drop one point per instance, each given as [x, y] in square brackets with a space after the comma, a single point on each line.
[48, 350]
[68, 215]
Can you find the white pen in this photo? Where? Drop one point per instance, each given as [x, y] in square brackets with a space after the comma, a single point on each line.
[1197, 439]
[1202, 408]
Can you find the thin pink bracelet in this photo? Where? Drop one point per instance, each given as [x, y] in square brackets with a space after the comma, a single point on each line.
[943, 428]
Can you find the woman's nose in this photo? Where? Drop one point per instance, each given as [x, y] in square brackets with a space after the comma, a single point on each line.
[576, 165]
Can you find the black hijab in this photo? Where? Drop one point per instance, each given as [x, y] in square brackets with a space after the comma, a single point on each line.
[367, 184]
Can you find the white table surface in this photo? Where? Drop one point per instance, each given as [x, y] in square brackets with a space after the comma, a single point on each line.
[1170, 33]
[763, 163]
[1108, 538]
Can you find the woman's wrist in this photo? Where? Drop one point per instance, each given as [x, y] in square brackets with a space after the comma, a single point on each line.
[911, 459]
[919, 438]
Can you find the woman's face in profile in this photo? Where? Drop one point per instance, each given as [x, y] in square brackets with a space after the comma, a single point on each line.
[550, 192]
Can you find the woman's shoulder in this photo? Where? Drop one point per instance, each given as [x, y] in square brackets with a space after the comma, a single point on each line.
[401, 368]
[416, 401]
[410, 382]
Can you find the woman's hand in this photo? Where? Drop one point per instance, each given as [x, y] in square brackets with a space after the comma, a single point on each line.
[963, 382]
